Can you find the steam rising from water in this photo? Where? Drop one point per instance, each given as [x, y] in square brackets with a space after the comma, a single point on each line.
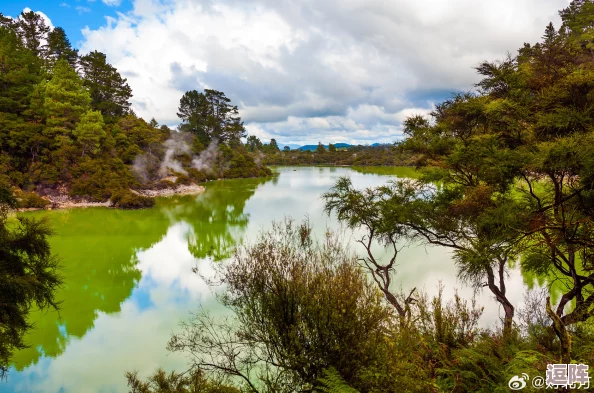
[205, 160]
[148, 167]
[176, 146]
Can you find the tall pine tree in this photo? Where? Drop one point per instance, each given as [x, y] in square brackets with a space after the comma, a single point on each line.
[110, 93]
[58, 47]
[60, 102]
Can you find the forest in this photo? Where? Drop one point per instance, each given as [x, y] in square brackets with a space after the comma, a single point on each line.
[67, 127]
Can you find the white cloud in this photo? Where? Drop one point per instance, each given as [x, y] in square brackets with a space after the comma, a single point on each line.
[346, 69]
[112, 3]
[82, 10]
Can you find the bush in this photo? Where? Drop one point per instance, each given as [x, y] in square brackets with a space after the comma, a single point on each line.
[31, 200]
[182, 179]
[306, 304]
[163, 184]
[196, 175]
[126, 199]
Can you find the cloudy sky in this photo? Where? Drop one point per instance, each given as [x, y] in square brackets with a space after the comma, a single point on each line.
[300, 71]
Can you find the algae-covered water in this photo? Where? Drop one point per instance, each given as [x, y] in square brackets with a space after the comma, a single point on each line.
[128, 278]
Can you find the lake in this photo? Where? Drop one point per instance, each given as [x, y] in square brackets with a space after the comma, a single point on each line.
[129, 281]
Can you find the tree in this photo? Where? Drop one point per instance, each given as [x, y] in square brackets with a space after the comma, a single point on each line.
[273, 146]
[210, 116]
[110, 93]
[320, 148]
[286, 148]
[514, 169]
[89, 132]
[32, 29]
[253, 143]
[331, 148]
[58, 47]
[301, 307]
[412, 210]
[60, 102]
[28, 273]
[18, 69]
[19, 73]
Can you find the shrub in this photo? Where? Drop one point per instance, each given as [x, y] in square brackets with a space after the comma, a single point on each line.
[162, 184]
[182, 179]
[31, 200]
[126, 199]
[196, 175]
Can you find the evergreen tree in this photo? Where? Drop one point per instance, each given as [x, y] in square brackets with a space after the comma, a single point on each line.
[273, 146]
[58, 47]
[253, 143]
[331, 147]
[110, 93]
[320, 148]
[61, 101]
[32, 29]
[19, 73]
[210, 116]
[89, 132]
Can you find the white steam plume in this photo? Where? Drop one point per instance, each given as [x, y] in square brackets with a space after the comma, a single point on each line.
[205, 160]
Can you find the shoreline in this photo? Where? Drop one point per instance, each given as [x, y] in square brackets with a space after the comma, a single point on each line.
[64, 201]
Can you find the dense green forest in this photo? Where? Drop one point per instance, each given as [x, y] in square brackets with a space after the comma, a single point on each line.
[66, 126]
[505, 179]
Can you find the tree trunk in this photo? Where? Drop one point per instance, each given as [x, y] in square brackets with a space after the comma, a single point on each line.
[561, 332]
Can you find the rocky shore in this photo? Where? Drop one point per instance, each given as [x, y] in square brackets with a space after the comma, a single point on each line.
[190, 189]
[62, 200]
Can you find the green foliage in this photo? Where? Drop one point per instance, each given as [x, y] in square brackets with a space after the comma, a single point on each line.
[211, 117]
[31, 200]
[59, 48]
[253, 143]
[89, 132]
[61, 132]
[300, 305]
[28, 276]
[272, 146]
[356, 155]
[161, 382]
[109, 92]
[332, 382]
[126, 199]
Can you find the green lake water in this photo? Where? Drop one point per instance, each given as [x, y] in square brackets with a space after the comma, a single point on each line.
[128, 278]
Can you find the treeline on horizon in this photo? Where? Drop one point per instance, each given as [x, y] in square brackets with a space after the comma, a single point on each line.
[354, 155]
[506, 181]
[66, 126]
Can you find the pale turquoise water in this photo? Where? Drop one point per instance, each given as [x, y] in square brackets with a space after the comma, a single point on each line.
[129, 281]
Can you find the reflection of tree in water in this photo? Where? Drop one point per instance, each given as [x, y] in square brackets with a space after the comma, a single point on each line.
[97, 249]
[217, 216]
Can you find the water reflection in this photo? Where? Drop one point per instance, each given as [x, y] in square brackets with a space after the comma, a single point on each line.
[217, 217]
[129, 279]
[104, 251]
[97, 250]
